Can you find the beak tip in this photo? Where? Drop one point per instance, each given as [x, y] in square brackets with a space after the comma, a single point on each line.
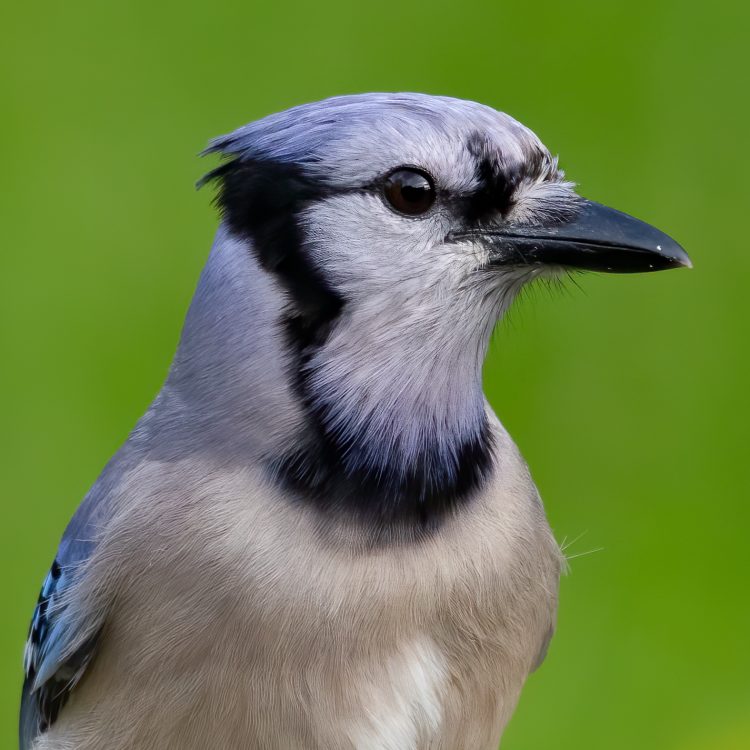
[681, 258]
[671, 254]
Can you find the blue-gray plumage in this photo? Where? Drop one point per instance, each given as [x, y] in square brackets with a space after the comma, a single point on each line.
[319, 535]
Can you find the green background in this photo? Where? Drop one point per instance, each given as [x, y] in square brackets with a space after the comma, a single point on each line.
[627, 395]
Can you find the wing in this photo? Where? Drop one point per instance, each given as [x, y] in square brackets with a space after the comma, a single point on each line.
[57, 651]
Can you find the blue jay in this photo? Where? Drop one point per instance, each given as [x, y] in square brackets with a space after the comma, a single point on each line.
[320, 535]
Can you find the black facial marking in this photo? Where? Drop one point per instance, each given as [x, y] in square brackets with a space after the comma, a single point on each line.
[262, 200]
[499, 178]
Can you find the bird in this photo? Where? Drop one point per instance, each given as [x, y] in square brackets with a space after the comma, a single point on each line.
[319, 535]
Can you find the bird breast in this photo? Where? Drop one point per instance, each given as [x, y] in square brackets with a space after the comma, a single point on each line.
[259, 623]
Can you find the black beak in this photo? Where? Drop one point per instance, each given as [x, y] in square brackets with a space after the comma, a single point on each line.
[597, 239]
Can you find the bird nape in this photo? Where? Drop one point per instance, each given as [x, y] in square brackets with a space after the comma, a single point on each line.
[319, 535]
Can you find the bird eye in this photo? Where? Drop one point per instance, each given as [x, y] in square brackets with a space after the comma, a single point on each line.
[409, 191]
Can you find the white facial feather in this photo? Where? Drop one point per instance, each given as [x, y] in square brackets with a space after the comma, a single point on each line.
[411, 341]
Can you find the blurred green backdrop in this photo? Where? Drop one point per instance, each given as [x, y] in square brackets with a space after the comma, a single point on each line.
[628, 395]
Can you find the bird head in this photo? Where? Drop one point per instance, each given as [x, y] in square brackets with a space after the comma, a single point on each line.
[394, 231]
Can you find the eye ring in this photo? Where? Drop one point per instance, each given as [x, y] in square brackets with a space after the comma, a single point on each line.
[409, 191]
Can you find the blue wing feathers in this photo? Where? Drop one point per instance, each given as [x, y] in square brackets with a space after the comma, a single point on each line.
[60, 646]
[51, 669]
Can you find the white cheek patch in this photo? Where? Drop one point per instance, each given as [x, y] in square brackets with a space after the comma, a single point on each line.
[408, 347]
[403, 702]
[362, 247]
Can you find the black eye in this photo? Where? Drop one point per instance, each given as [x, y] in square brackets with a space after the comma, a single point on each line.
[409, 191]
